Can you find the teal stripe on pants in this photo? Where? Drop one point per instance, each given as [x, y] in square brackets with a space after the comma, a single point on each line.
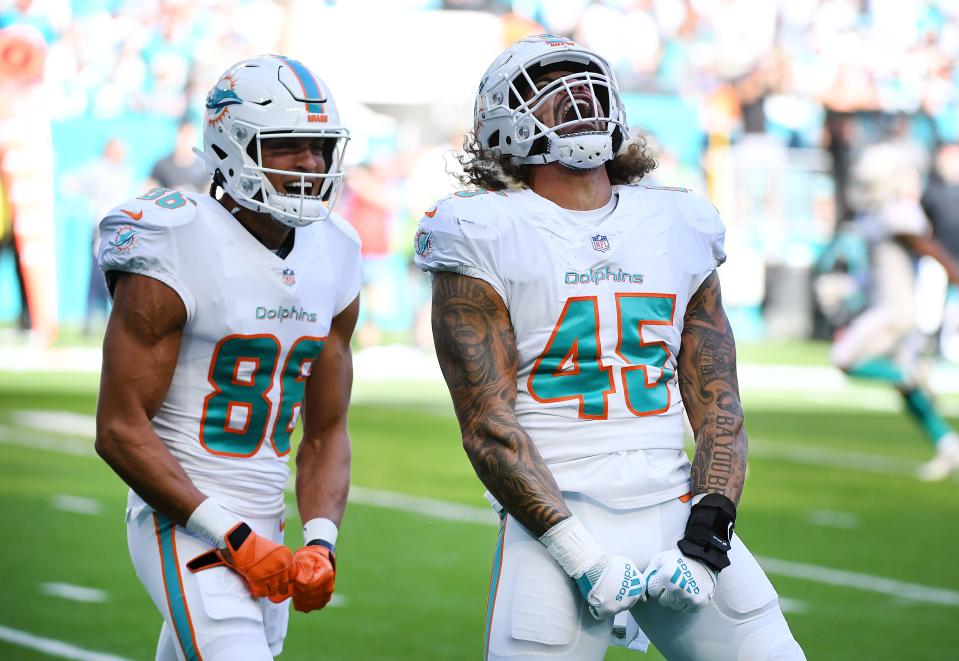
[879, 369]
[176, 600]
[494, 580]
[924, 411]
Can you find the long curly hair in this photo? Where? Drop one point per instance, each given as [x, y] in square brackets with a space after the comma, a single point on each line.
[492, 170]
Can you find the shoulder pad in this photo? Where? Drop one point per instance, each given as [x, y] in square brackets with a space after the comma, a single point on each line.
[470, 215]
[474, 199]
[345, 228]
[470, 206]
[701, 205]
[468, 194]
[675, 189]
[158, 208]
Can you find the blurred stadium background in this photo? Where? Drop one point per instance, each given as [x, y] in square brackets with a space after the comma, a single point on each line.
[763, 105]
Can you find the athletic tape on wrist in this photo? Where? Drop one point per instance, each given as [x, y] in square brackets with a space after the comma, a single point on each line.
[709, 530]
[320, 528]
[212, 522]
[572, 546]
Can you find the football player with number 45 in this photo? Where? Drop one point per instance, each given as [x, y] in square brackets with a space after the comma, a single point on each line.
[576, 315]
[231, 320]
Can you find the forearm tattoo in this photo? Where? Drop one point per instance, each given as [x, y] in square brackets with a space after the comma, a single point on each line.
[710, 390]
[477, 353]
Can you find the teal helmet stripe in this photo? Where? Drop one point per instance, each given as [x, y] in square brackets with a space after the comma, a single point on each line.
[311, 90]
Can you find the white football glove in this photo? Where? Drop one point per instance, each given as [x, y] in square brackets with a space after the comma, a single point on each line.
[678, 582]
[611, 586]
[608, 583]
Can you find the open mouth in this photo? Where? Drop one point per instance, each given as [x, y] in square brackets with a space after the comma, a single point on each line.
[300, 188]
[579, 112]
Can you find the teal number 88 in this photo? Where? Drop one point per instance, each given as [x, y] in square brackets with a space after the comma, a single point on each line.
[236, 413]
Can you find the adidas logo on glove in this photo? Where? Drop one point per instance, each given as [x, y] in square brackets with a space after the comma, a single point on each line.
[630, 585]
[683, 577]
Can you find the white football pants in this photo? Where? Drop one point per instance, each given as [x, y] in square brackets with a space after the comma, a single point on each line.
[535, 610]
[209, 615]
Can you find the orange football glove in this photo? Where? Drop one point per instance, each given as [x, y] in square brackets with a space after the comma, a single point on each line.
[265, 565]
[314, 573]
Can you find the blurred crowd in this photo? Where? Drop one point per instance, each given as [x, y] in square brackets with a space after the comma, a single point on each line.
[811, 82]
[763, 65]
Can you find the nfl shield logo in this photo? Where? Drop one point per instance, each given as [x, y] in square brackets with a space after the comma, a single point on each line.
[600, 242]
[289, 277]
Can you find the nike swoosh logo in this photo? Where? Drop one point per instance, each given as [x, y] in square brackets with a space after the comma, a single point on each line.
[135, 216]
[430, 213]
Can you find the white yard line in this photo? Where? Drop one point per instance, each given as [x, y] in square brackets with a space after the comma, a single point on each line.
[75, 427]
[81, 447]
[428, 507]
[811, 455]
[833, 458]
[81, 444]
[469, 514]
[74, 592]
[849, 579]
[59, 422]
[53, 647]
[818, 456]
[792, 605]
[833, 519]
[76, 504]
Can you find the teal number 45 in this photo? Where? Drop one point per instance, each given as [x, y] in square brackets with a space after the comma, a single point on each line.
[236, 413]
[571, 364]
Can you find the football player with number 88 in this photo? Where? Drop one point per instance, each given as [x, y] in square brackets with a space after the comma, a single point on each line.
[232, 320]
[576, 314]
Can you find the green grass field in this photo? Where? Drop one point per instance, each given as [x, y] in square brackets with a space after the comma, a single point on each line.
[829, 490]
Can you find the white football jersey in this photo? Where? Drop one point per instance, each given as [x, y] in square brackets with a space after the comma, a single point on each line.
[255, 323]
[898, 217]
[597, 308]
[892, 264]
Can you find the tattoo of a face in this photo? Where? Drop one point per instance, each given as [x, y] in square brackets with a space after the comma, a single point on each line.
[710, 390]
[476, 348]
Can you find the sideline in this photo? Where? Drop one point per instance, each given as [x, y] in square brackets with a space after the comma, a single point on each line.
[391, 364]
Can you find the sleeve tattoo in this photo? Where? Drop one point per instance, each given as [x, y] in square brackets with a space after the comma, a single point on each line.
[710, 390]
[477, 353]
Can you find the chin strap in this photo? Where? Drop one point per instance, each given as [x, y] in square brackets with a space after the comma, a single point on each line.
[576, 151]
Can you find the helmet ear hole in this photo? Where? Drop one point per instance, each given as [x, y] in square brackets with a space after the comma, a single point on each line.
[493, 139]
[540, 145]
[219, 152]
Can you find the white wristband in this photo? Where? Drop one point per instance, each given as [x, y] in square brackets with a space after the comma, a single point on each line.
[320, 528]
[211, 522]
[572, 546]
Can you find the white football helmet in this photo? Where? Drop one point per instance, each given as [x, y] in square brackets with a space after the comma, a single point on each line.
[591, 125]
[264, 98]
